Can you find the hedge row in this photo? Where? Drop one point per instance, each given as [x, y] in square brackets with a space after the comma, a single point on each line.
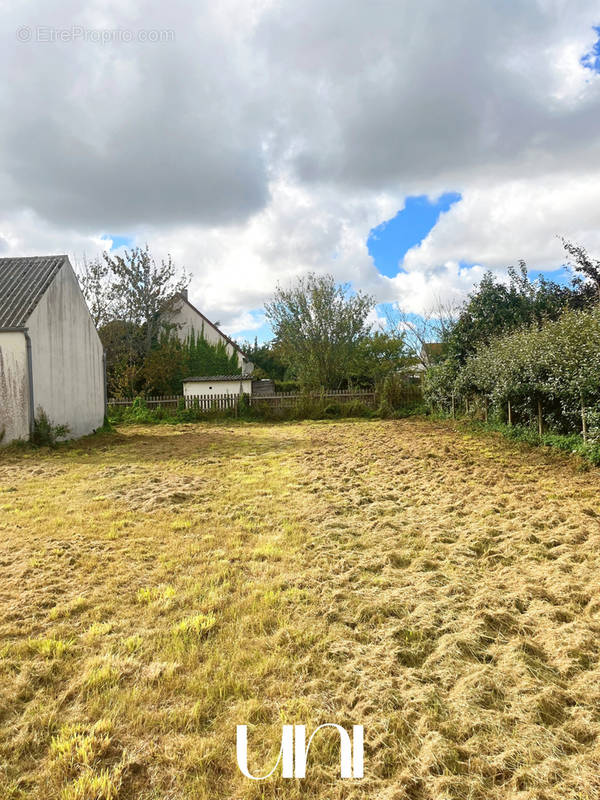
[551, 373]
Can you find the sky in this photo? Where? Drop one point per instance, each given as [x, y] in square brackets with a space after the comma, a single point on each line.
[403, 147]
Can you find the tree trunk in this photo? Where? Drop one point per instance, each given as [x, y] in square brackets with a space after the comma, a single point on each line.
[453, 408]
[540, 418]
[485, 409]
[509, 413]
[583, 421]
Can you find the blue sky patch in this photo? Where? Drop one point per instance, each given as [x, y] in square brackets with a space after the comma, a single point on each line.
[389, 242]
[263, 334]
[118, 241]
[591, 60]
[561, 275]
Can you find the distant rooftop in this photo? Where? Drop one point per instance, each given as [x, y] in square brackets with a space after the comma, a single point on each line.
[205, 378]
[434, 348]
[23, 282]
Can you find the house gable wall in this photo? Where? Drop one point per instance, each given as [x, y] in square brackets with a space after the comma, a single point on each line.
[67, 357]
[14, 387]
[188, 320]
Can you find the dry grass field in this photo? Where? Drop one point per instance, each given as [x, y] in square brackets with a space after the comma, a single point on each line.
[163, 584]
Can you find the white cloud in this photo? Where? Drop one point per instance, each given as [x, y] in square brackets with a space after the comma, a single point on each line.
[238, 267]
[421, 290]
[499, 224]
[269, 137]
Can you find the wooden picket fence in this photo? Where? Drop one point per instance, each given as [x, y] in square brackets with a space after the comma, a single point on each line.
[223, 402]
[289, 399]
[201, 402]
[151, 402]
[211, 402]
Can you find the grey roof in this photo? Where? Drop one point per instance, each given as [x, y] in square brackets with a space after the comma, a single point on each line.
[205, 378]
[23, 282]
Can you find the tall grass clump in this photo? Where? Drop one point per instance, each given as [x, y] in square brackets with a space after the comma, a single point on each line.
[305, 407]
[397, 398]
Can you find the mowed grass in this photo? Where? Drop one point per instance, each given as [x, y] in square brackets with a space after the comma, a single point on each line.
[164, 584]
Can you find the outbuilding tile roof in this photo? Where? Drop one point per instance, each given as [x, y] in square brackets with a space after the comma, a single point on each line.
[205, 378]
[23, 282]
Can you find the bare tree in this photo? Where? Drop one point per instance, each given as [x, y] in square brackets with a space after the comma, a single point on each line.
[95, 281]
[421, 330]
[583, 264]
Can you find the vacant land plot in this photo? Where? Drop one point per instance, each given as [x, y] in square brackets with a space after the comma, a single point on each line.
[164, 584]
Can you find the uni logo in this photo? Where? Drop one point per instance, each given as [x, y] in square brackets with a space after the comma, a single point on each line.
[294, 751]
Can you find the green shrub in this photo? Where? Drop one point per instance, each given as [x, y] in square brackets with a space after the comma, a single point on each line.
[356, 408]
[556, 364]
[332, 410]
[397, 397]
[306, 407]
[287, 386]
[45, 432]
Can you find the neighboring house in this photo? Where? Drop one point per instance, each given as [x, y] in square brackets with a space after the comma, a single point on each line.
[432, 352]
[51, 356]
[217, 384]
[188, 320]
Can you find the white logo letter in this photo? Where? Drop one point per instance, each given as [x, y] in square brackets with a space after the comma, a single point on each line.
[348, 758]
[286, 753]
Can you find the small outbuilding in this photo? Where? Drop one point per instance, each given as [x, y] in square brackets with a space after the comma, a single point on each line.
[51, 357]
[217, 385]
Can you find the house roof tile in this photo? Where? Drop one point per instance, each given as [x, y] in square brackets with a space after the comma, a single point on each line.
[206, 378]
[23, 282]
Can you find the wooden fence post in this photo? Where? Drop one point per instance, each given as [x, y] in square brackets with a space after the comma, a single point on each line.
[583, 421]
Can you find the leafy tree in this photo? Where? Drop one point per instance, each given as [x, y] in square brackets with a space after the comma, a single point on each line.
[203, 358]
[143, 291]
[124, 346]
[318, 328]
[266, 359]
[164, 366]
[378, 355]
[494, 308]
[556, 364]
[440, 383]
[130, 297]
[589, 268]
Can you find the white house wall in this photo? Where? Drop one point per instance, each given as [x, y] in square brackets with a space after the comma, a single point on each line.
[188, 320]
[216, 387]
[14, 388]
[68, 371]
